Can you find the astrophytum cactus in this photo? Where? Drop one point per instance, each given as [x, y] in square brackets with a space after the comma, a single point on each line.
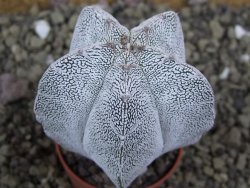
[123, 98]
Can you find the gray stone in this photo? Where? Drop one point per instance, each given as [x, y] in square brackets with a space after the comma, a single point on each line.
[34, 10]
[9, 181]
[2, 48]
[2, 120]
[35, 72]
[9, 65]
[62, 182]
[67, 42]
[233, 45]
[242, 184]
[189, 49]
[246, 110]
[72, 22]
[213, 79]
[216, 28]
[218, 163]
[4, 150]
[225, 18]
[24, 54]
[21, 72]
[241, 161]
[4, 20]
[9, 41]
[196, 10]
[17, 51]
[3, 159]
[196, 56]
[57, 17]
[217, 177]
[30, 185]
[224, 177]
[244, 42]
[34, 171]
[44, 14]
[244, 120]
[47, 49]
[2, 136]
[185, 26]
[190, 34]
[231, 33]
[186, 12]
[220, 177]
[36, 43]
[4, 33]
[208, 171]
[234, 137]
[39, 57]
[197, 160]
[14, 30]
[202, 44]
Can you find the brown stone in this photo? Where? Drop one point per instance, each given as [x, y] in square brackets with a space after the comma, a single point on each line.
[12, 88]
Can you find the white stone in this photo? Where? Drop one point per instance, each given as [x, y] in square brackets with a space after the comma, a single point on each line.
[240, 32]
[42, 28]
[224, 74]
[245, 57]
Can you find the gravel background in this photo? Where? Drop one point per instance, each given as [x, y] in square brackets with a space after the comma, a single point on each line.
[221, 159]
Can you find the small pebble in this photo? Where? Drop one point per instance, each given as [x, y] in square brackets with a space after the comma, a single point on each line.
[57, 17]
[12, 88]
[42, 28]
[224, 74]
[240, 32]
[241, 161]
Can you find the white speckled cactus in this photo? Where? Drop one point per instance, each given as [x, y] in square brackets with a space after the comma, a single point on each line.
[123, 98]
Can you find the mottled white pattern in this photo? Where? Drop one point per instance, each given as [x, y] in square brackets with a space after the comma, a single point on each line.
[162, 32]
[124, 98]
[96, 26]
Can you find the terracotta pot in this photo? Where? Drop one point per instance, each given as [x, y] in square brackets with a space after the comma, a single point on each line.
[77, 182]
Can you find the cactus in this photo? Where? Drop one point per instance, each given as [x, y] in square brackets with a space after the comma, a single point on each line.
[123, 98]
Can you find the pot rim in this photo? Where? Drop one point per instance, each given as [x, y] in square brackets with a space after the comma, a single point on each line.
[73, 176]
